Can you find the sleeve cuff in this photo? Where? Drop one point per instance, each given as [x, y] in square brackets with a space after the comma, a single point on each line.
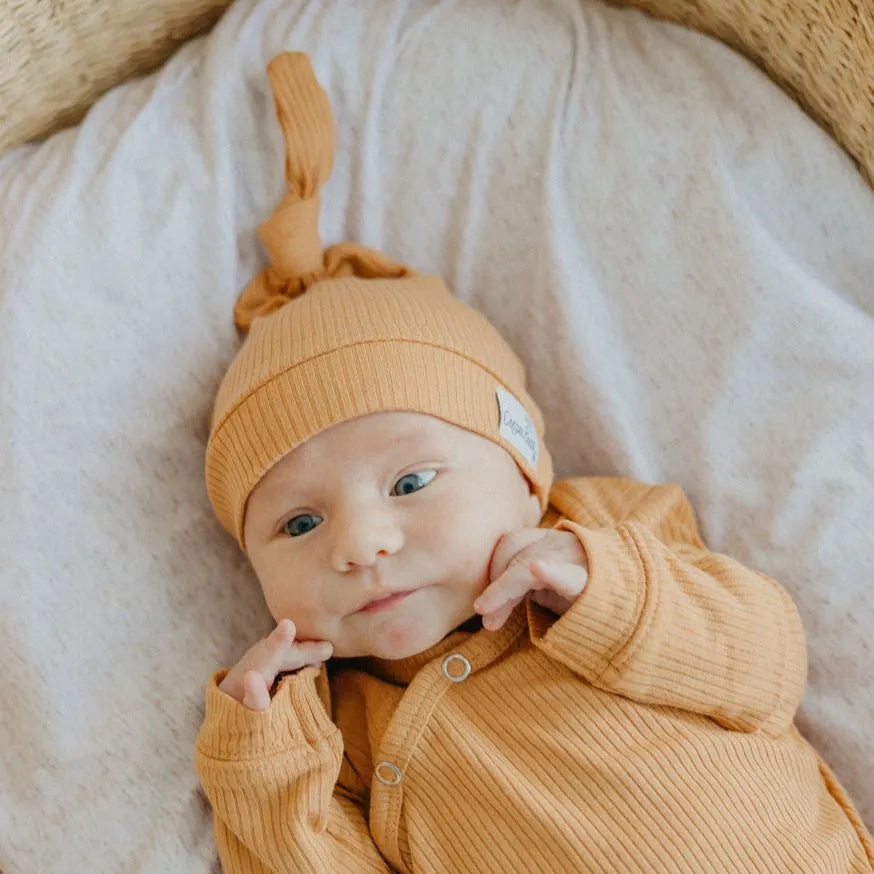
[296, 717]
[604, 618]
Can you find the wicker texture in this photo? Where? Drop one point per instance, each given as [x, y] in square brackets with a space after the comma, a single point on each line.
[58, 56]
[820, 51]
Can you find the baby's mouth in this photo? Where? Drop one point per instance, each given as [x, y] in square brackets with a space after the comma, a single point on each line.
[374, 605]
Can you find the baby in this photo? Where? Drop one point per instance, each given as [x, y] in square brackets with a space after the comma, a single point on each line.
[526, 676]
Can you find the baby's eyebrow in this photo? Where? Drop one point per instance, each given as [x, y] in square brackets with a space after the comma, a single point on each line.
[281, 492]
[415, 439]
[407, 444]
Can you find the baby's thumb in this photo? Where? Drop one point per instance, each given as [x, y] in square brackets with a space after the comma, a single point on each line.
[256, 695]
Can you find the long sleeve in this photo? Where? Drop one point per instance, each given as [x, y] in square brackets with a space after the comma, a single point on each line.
[664, 621]
[271, 777]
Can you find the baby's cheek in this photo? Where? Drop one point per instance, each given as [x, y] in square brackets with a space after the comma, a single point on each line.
[467, 534]
[285, 603]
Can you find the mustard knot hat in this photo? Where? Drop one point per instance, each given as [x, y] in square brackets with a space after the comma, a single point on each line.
[336, 334]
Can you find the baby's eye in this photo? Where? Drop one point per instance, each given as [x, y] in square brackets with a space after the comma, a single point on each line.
[412, 482]
[302, 524]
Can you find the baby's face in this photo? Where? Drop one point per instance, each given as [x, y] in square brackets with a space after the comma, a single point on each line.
[377, 534]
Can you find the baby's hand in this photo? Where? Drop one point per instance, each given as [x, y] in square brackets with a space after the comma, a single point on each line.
[251, 679]
[549, 564]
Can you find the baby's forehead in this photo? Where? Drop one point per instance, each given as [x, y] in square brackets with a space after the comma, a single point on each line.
[376, 434]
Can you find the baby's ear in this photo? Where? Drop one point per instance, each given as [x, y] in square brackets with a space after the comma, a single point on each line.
[533, 513]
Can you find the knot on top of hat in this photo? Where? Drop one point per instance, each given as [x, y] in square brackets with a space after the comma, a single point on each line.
[268, 291]
[291, 234]
[291, 237]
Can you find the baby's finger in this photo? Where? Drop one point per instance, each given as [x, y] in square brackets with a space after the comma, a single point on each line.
[511, 585]
[567, 579]
[303, 653]
[256, 695]
[493, 621]
[282, 636]
[511, 546]
[268, 655]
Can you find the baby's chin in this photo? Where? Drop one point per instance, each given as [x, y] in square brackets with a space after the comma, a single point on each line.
[406, 638]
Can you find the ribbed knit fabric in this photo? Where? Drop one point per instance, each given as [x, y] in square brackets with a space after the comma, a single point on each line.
[649, 729]
[340, 334]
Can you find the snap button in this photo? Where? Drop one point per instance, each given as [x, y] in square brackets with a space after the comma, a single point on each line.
[388, 774]
[463, 662]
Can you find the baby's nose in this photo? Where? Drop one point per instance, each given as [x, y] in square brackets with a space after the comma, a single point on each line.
[361, 541]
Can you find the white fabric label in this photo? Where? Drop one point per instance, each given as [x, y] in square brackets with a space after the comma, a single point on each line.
[517, 427]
